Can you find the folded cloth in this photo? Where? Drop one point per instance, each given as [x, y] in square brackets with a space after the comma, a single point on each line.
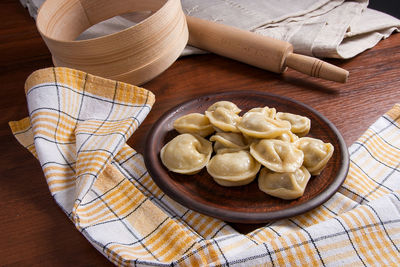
[321, 28]
[77, 128]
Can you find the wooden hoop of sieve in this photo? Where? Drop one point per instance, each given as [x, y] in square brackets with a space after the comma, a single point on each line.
[134, 55]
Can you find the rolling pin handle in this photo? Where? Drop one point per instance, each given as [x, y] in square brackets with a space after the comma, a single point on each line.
[316, 68]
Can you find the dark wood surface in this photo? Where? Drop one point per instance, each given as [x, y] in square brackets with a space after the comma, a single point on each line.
[34, 231]
[247, 203]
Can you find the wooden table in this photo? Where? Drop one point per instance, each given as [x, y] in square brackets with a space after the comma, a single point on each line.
[34, 231]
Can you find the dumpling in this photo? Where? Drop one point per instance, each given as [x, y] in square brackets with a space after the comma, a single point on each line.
[220, 148]
[316, 153]
[217, 146]
[300, 125]
[277, 155]
[227, 150]
[223, 119]
[286, 185]
[225, 104]
[288, 137]
[230, 140]
[194, 123]
[269, 112]
[186, 153]
[257, 124]
[233, 169]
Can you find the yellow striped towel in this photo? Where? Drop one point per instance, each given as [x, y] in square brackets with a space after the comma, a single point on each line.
[77, 127]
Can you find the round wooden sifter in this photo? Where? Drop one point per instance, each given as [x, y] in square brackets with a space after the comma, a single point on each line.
[134, 55]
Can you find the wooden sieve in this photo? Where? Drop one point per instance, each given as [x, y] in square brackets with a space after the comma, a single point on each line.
[134, 55]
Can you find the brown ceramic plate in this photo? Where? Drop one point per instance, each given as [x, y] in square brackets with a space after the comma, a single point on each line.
[244, 204]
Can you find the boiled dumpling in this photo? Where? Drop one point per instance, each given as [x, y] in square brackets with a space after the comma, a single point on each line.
[286, 185]
[316, 153]
[230, 140]
[225, 104]
[220, 148]
[259, 125]
[186, 153]
[288, 137]
[233, 169]
[227, 150]
[217, 146]
[269, 112]
[223, 119]
[300, 125]
[194, 123]
[277, 155]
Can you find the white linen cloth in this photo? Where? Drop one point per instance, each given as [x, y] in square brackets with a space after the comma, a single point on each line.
[320, 28]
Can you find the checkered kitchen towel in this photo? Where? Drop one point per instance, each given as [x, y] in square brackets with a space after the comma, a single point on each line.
[77, 127]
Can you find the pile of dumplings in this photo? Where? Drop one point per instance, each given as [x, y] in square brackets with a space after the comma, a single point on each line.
[262, 142]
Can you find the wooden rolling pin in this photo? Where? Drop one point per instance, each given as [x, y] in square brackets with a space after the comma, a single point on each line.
[257, 50]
